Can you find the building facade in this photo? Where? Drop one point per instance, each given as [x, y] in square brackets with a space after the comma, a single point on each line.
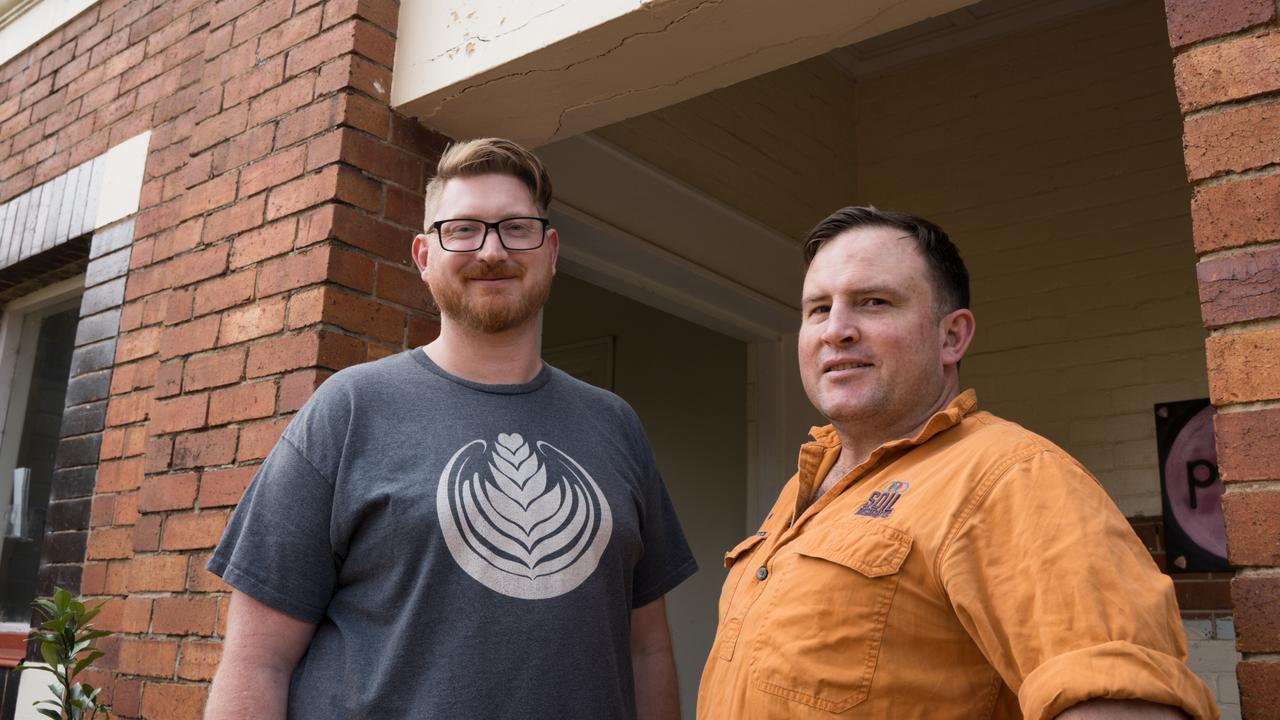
[206, 208]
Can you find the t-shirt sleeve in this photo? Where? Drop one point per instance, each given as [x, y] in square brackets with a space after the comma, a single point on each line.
[278, 547]
[667, 560]
[1053, 585]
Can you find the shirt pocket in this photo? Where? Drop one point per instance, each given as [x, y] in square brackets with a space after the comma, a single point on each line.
[825, 612]
[739, 552]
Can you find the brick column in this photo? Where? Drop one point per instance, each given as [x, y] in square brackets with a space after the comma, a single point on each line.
[272, 248]
[1227, 69]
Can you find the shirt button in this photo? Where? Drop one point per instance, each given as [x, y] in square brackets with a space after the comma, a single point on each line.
[762, 572]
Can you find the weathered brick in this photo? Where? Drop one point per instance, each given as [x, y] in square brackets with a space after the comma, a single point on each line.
[1244, 367]
[275, 170]
[295, 30]
[159, 451]
[382, 160]
[402, 286]
[303, 193]
[110, 543]
[173, 701]
[1259, 689]
[191, 531]
[263, 317]
[1257, 622]
[1191, 21]
[215, 369]
[221, 488]
[257, 439]
[181, 413]
[363, 315]
[126, 615]
[293, 271]
[119, 475]
[199, 660]
[189, 338]
[1236, 69]
[283, 99]
[201, 580]
[155, 658]
[360, 112]
[253, 82]
[306, 349]
[202, 449]
[224, 292]
[244, 148]
[168, 492]
[137, 344]
[312, 120]
[1237, 213]
[125, 511]
[157, 573]
[205, 197]
[1248, 445]
[262, 243]
[146, 534]
[242, 402]
[1229, 140]
[243, 215]
[220, 127]
[1253, 527]
[1240, 287]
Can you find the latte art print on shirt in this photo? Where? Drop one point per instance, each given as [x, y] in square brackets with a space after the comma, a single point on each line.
[525, 520]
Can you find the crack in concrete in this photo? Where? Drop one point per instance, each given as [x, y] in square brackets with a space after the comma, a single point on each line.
[674, 83]
[754, 51]
[511, 76]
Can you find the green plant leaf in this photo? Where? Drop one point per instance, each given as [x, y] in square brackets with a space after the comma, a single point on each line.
[49, 652]
[50, 713]
[95, 634]
[86, 661]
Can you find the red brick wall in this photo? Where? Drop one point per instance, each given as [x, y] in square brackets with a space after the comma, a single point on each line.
[1227, 70]
[271, 248]
[1201, 595]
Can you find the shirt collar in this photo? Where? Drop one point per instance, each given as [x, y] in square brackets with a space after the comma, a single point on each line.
[817, 457]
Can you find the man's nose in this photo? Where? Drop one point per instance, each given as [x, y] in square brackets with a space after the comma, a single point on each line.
[841, 327]
[491, 248]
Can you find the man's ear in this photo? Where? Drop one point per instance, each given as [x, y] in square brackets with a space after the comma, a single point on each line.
[957, 329]
[421, 243]
[553, 239]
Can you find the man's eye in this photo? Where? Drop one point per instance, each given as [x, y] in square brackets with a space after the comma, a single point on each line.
[819, 310]
[461, 229]
[873, 302]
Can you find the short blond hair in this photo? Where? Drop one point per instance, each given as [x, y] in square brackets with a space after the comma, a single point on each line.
[489, 156]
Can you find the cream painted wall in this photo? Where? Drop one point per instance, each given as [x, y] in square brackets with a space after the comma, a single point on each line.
[1053, 157]
[778, 147]
[687, 384]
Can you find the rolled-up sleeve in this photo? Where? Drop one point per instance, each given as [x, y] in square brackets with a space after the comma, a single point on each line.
[1053, 585]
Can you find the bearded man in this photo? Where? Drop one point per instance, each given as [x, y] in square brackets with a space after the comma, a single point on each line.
[460, 530]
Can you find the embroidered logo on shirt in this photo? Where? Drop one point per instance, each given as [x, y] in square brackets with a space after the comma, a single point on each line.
[881, 502]
[533, 526]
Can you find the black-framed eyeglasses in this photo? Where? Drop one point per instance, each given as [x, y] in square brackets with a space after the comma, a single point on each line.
[468, 234]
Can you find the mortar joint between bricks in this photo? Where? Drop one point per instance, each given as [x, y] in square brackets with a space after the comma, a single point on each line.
[1263, 99]
[1264, 171]
[1245, 327]
[1244, 487]
[1242, 250]
[1245, 573]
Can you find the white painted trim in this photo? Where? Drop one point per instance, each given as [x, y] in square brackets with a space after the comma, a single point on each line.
[33, 687]
[598, 252]
[122, 180]
[26, 23]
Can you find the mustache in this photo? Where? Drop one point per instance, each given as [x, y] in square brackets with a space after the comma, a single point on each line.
[483, 271]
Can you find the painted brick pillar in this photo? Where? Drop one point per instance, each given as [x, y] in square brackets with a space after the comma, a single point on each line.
[272, 247]
[1227, 70]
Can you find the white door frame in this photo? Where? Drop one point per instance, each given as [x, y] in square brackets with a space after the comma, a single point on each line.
[595, 247]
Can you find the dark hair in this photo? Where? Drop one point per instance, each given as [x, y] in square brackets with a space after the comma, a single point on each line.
[950, 277]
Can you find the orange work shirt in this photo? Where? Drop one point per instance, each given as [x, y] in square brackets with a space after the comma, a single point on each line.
[973, 571]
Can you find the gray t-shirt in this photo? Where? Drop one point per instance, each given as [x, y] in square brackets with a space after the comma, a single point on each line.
[467, 550]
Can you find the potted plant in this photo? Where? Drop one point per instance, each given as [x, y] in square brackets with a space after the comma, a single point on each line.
[66, 638]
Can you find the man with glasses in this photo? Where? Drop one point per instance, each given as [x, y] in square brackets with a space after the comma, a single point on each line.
[460, 530]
